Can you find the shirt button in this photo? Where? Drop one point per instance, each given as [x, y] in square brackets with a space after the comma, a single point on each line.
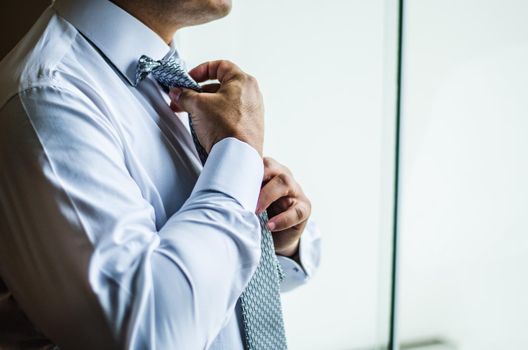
[296, 269]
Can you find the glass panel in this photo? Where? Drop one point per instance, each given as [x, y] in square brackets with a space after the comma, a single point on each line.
[464, 251]
[326, 72]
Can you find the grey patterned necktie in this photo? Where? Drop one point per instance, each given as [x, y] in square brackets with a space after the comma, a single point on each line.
[260, 301]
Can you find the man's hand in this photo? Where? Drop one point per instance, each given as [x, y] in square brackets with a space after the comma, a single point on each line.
[233, 108]
[287, 205]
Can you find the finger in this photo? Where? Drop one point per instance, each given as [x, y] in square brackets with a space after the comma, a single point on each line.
[295, 215]
[222, 70]
[208, 88]
[273, 190]
[280, 205]
[211, 88]
[272, 168]
[175, 107]
[184, 99]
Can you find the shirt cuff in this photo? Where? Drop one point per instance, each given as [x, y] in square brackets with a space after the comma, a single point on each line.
[309, 257]
[234, 168]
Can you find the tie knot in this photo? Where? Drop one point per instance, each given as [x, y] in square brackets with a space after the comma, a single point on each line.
[145, 66]
[169, 72]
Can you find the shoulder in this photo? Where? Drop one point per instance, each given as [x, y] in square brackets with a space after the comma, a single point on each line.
[48, 74]
[45, 89]
[46, 58]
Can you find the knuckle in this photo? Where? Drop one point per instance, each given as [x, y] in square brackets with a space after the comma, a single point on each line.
[279, 166]
[229, 67]
[184, 98]
[185, 95]
[223, 66]
[226, 64]
[243, 78]
[283, 168]
[268, 162]
[288, 202]
[251, 79]
[300, 212]
[284, 179]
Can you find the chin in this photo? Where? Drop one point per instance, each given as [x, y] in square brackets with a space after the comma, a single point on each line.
[200, 11]
[222, 7]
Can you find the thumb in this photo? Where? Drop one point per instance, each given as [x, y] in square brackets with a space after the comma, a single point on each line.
[185, 99]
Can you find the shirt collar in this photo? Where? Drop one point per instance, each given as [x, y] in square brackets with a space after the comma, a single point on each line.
[121, 37]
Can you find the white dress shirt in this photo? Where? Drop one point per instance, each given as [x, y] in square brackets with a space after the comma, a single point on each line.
[111, 232]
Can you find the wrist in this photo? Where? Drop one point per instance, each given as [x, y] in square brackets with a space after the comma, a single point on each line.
[252, 141]
[292, 251]
[255, 145]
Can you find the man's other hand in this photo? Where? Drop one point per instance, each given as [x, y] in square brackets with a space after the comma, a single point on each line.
[287, 205]
[233, 108]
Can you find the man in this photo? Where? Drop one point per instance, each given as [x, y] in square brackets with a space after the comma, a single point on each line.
[113, 233]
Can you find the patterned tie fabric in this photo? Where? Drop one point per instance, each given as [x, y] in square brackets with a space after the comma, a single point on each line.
[260, 301]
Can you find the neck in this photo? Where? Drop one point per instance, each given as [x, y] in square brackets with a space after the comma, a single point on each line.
[150, 17]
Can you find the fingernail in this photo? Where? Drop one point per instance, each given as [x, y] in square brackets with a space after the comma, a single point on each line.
[271, 225]
[175, 94]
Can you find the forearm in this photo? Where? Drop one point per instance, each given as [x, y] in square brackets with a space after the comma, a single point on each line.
[192, 275]
[205, 258]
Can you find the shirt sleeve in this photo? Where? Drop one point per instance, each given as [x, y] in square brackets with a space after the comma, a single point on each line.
[309, 258]
[79, 242]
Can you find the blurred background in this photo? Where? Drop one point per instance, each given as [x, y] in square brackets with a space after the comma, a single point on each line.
[329, 75]
[464, 189]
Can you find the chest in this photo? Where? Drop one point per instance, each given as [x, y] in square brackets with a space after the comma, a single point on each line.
[157, 146]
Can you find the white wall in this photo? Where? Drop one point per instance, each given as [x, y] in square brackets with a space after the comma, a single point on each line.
[465, 168]
[320, 66]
